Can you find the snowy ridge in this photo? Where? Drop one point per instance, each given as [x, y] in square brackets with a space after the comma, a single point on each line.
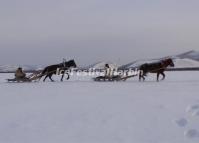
[185, 63]
[12, 68]
[188, 59]
[137, 63]
[194, 55]
[101, 65]
[185, 60]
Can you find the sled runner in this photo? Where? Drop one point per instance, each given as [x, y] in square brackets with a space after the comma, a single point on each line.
[113, 78]
[19, 80]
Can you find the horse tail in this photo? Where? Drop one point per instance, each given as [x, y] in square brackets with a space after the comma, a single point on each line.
[143, 69]
[43, 73]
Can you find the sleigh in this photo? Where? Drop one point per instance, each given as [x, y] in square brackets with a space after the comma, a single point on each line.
[112, 78]
[32, 77]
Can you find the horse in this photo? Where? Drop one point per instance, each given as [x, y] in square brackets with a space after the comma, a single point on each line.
[53, 69]
[158, 67]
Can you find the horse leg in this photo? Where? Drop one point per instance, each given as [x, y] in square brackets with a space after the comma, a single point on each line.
[143, 77]
[140, 76]
[45, 78]
[62, 77]
[162, 73]
[50, 77]
[158, 74]
[68, 76]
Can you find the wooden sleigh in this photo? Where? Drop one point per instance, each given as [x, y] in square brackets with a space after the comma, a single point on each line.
[112, 78]
[32, 77]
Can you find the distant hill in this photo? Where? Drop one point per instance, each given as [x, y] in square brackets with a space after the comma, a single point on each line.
[194, 55]
[101, 65]
[188, 59]
[12, 68]
[185, 63]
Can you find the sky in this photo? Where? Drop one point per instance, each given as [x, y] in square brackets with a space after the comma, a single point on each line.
[119, 31]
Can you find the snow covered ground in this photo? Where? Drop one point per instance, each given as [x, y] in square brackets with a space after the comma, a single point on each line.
[83, 111]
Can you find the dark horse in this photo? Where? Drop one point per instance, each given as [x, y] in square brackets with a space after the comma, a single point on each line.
[53, 69]
[158, 67]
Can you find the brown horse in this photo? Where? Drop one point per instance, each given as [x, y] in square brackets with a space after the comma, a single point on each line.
[158, 67]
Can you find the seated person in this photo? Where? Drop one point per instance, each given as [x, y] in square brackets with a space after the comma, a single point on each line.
[19, 74]
[108, 72]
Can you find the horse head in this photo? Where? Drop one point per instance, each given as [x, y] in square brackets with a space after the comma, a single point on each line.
[71, 64]
[169, 62]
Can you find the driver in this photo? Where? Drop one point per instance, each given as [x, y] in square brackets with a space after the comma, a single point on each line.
[19, 73]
